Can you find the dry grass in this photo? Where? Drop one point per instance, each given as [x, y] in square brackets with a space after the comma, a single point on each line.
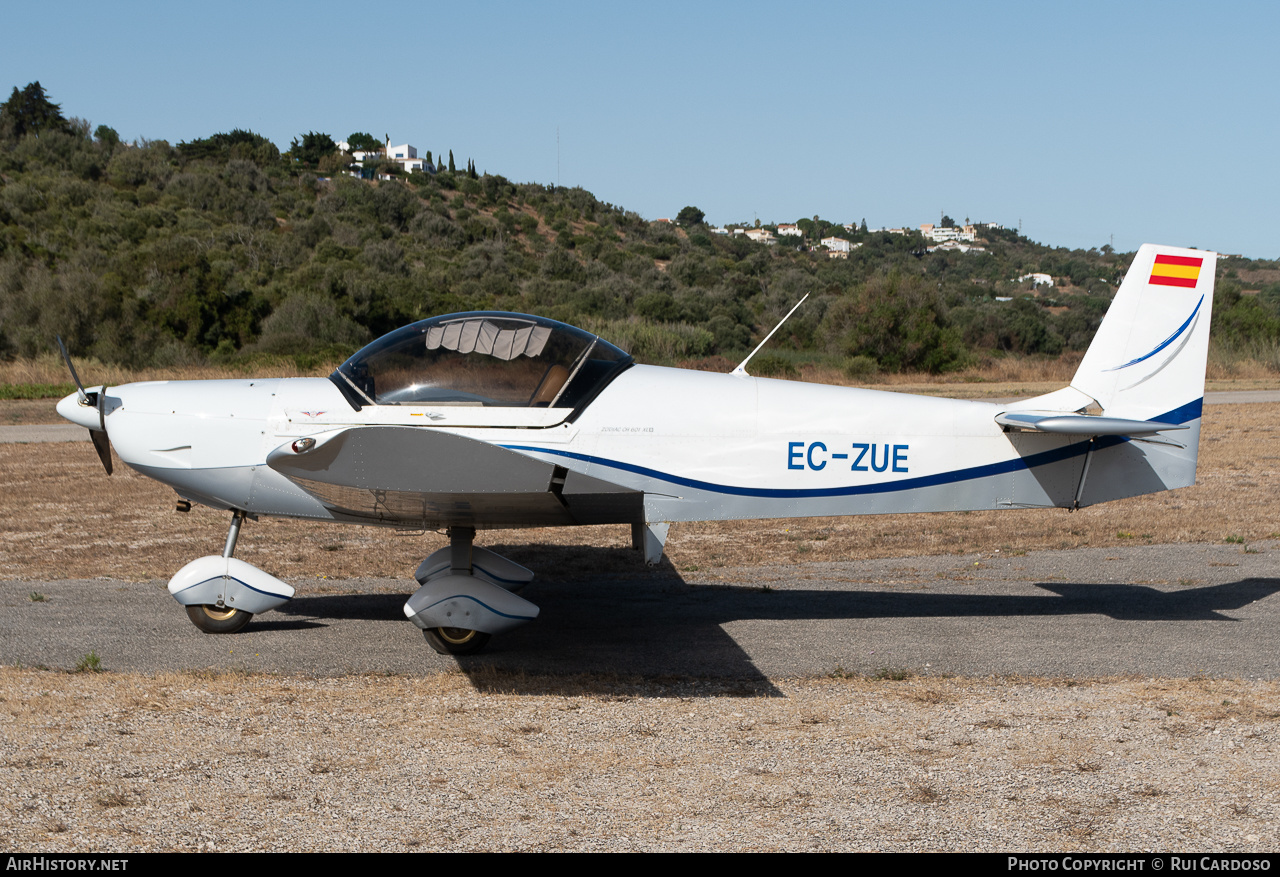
[1015, 376]
[993, 377]
[50, 369]
[60, 515]
[23, 412]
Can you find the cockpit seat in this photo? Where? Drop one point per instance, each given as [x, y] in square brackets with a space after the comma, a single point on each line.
[550, 387]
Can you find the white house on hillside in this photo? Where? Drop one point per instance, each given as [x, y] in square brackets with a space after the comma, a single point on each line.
[956, 247]
[1038, 279]
[938, 233]
[405, 155]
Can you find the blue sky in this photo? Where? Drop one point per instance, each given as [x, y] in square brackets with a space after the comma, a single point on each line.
[1150, 122]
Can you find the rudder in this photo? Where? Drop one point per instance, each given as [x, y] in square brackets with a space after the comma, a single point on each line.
[1147, 361]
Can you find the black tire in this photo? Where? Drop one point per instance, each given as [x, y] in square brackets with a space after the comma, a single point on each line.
[211, 619]
[455, 640]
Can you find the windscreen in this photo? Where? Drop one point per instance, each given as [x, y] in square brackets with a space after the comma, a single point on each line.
[481, 358]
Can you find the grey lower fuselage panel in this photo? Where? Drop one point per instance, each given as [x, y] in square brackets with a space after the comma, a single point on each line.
[428, 477]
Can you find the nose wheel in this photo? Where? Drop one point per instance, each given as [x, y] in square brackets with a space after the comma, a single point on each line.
[455, 640]
[214, 619]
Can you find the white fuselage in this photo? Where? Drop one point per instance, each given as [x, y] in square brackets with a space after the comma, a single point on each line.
[699, 445]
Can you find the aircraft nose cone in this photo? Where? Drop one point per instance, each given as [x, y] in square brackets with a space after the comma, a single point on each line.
[73, 409]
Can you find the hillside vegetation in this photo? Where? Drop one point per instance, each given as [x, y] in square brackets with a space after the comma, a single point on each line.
[224, 250]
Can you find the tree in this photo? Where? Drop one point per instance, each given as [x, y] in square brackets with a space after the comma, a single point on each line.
[312, 148]
[235, 144]
[106, 135]
[899, 320]
[334, 163]
[31, 112]
[948, 222]
[362, 142]
[452, 168]
[690, 216]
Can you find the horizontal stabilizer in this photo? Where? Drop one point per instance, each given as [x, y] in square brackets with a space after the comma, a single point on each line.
[1082, 424]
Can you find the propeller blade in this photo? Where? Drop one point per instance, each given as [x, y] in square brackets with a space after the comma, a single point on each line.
[67, 359]
[103, 446]
[101, 443]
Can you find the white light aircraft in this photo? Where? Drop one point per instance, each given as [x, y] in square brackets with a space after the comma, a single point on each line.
[497, 420]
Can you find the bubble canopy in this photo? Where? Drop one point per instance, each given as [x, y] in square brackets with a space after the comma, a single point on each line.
[482, 358]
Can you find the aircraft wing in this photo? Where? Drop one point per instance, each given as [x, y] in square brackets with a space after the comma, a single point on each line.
[424, 477]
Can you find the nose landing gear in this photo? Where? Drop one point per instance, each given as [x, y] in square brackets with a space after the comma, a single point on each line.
[223, 594]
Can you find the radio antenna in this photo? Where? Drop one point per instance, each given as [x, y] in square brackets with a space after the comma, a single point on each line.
[741, 370]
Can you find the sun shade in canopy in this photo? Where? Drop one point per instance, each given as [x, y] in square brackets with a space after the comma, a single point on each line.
[483, 336]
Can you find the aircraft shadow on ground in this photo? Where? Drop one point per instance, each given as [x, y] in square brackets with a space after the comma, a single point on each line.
[653, 625]
[1120, 602]
[319, 609]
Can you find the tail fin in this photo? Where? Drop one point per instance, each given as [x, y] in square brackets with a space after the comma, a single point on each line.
[1145, 370]
[1147, 361]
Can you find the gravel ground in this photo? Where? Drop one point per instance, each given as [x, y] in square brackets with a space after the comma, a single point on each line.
[123, 762]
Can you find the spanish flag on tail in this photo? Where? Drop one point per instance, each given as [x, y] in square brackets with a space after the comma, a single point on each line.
[1176, 271]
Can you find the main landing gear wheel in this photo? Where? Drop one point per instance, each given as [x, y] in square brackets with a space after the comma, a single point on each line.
[214, 619]
[455, 640]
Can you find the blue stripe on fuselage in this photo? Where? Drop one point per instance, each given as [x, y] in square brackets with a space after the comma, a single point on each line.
[1183, 414]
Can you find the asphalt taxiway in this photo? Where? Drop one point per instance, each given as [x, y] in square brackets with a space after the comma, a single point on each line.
[1152, 610]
